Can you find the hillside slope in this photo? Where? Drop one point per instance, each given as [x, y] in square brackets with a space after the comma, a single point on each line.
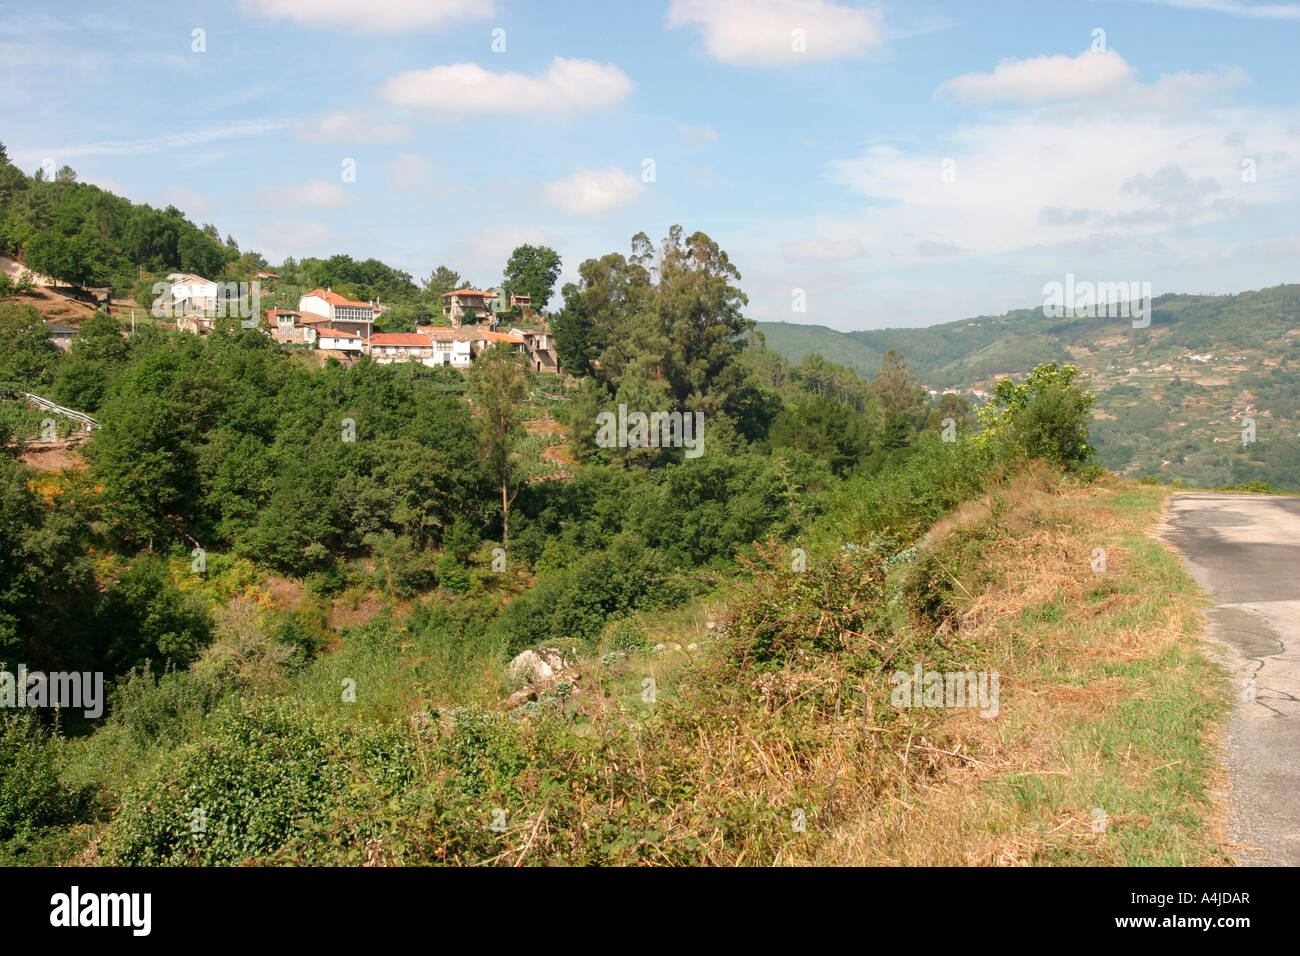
[1172, 398]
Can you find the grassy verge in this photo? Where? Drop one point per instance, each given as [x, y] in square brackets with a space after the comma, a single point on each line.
[1103, 749]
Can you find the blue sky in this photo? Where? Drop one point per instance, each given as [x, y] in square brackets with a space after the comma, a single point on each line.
[900, 163]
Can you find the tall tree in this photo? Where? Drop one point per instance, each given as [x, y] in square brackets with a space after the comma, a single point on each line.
[532, 271]
[442, 280]
[499, 382]
[668, 318]
[901, 399]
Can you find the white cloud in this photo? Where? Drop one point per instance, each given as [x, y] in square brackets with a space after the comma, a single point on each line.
[295, 237]
[189, 201]
[1275, 11]
[466, 88]
[1041, 180]
[593, 192]
[929, 249]
[699, 134]
[1041, 79]
[342, 127]
[763, 32]
[411, 172]
[314, 192]
[1088, 76]
[823, 250]
[373, 16]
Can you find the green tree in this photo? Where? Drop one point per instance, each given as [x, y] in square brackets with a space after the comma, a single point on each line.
[96, 355]
[896, 390]
[499, 382]
[442, 280]
[145, 617]
[28, 357]
[665, 325]
[1046, 416]
[532, 271]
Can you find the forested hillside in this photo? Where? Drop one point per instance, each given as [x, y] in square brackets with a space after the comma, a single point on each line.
[1170, 398]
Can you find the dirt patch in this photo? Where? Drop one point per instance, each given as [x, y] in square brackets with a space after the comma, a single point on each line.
[55, 306]
[54, 456]
[288, 594]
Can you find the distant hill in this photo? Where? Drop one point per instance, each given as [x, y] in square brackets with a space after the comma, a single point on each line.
[796, 341]
[1171, 398]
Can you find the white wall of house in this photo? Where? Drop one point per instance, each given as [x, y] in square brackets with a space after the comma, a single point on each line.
[341, 343]
[315, 305]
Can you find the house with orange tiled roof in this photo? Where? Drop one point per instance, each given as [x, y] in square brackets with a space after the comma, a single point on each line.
[389, 347]
[340, 311]
[340, 340]
[474, 303]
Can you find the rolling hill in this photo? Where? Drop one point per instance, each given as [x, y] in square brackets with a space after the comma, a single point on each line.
[1172, 399]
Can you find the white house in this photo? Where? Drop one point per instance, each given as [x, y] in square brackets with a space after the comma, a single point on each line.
[340, 340]
[191, 293]
[389, 347]
[454, 347]
[341, 312]
[60, 335]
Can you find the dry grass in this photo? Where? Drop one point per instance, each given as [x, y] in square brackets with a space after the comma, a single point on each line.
[1107, 703]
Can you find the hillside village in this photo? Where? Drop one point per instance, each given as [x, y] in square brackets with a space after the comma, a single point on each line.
[333, 325]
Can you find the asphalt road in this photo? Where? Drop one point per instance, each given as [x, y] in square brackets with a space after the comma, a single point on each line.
[1245, 551]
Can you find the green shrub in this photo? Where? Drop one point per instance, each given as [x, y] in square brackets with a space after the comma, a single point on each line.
[31, 795]
[259, 777]
[161, 707]
[1046, 416]
[146, 617]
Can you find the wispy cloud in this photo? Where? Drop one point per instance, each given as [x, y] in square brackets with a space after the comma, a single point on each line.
[156, 144]
[699, 135]
[823, 250]
[1088, 76]
[349, 128]
[373, 16]
[189, 201]
[296, 237]
[593, 192]
[567, 86]
[314, 192]
[411, 172]
[1271, 11]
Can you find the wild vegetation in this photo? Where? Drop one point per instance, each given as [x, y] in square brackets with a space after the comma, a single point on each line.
[305, 584]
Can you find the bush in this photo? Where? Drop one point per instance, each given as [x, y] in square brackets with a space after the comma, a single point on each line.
[31, 795]
[259, 778]
[144, 616]
[161, 707]
[1046, 416]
